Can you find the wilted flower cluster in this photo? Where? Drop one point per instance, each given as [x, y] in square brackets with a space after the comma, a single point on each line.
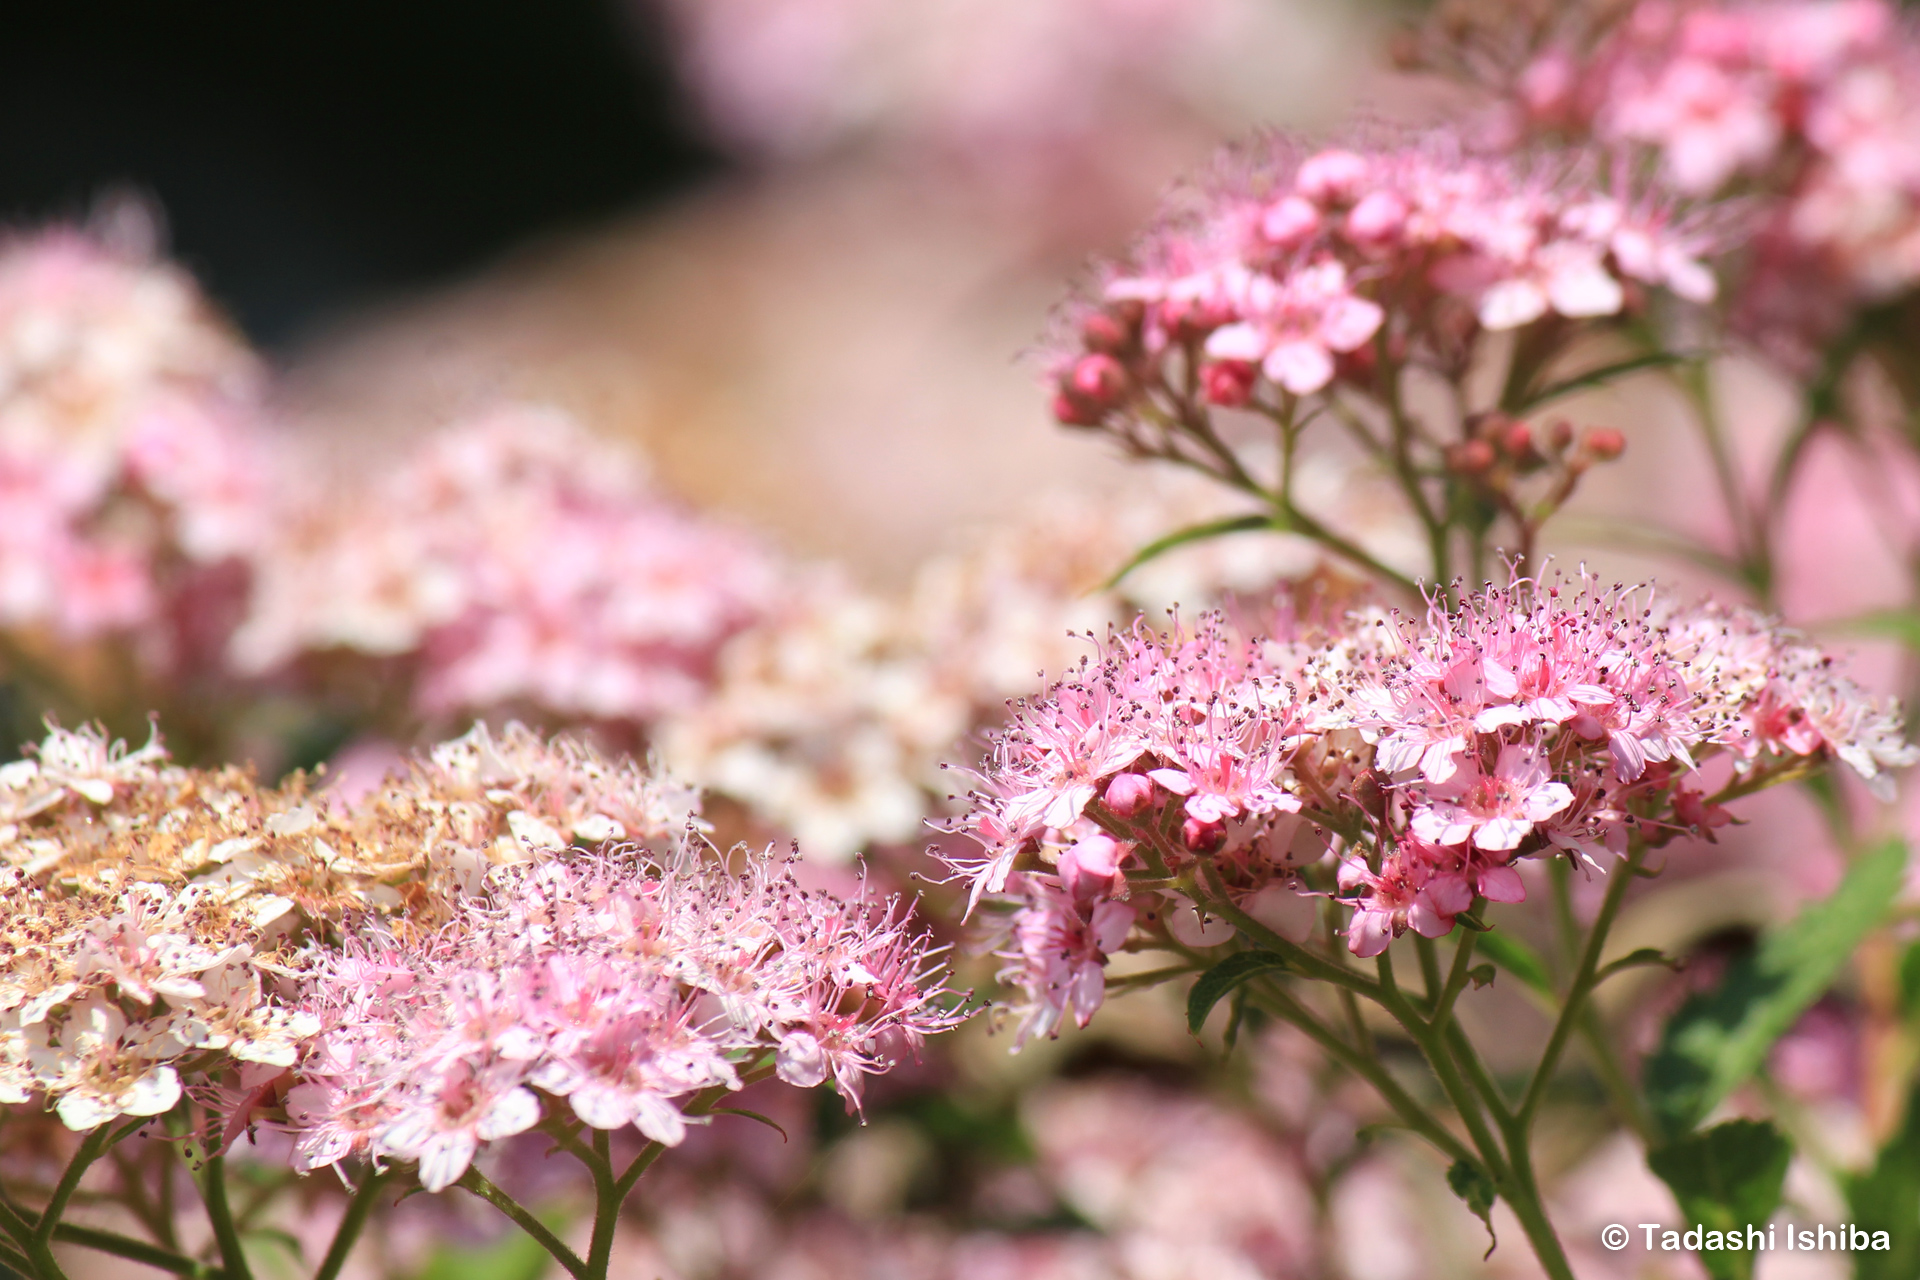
[1401, 765]
[513, 561]
[129, 463]
[1291, 269]
[615, 982]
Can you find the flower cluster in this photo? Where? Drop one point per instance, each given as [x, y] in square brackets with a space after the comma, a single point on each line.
[511, 561]
[832, 718]
[1810, 101]
[618, 984]
[1402, 766]
[128, 460]
[154, 915]
[1291, 270]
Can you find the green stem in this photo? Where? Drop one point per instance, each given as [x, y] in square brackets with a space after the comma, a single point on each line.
[1271, 997]
[136, 1251]
[476, 1182]
[213, 1193]
[1457, 976]
[1464, 1101]
[355, 1219]
[607, 1197]
[1577, 992]
[1613, 1074]
[1217, 900]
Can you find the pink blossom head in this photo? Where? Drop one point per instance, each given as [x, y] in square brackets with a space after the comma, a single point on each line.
[1287, 268]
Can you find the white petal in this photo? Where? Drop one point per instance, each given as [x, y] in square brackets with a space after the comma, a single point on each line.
[1512, 303]
[660, 1120]
[515, 1111]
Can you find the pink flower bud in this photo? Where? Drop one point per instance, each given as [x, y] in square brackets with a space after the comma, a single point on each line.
[1129, 793]
[1290, 222]
[1330, 176]
[1228, 383]
[1103, 331]
[1092, 866]
[1099, 378]
[1070, 410]
[1377, 219]
[1202, 837]
[1604, 444]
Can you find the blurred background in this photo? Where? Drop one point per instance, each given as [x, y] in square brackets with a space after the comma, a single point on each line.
[793, 246]
[794, 250]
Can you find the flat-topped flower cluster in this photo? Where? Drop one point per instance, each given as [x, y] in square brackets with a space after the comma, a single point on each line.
[127, 460]
[510, 560]
[1401, 766]
[1809, 105]
[615, 982]
[1291, 269]
[366, 973]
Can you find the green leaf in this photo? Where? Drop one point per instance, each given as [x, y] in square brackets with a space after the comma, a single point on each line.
[1481, 975]
[1716, 1040]
[1635, 960]
[1517, 958]
[1887, 1198]
[1599, 376]
[1224, 977]
[516, 1256]
[1910, 982]
[1471, 1183]
[751, 1115]
[1726, 1179]
[1892, 624]
[1197, 533]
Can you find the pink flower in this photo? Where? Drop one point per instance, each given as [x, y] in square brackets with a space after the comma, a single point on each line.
[1060, 956]
[1497, 810]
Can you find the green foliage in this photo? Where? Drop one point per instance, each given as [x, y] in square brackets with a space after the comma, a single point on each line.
[1726, 1178]
[1195, 533]
[1635, 960]
[515, 1256]
[1717, 1040]
[1517, 958]
[1471, 1183]
[1216, 982]
[1534, 399]
[1887, 1198]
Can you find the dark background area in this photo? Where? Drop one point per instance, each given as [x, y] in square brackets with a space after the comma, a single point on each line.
[313, 155]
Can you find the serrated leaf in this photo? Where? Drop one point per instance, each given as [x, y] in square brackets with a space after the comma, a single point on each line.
[1726, 1179]
[1215, 983]
[1180, 538]
[1517, 958]
[1471, 1183]
[1716, 1040]
[1887, 1198]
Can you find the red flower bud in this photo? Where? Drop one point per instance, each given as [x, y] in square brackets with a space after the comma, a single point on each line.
[1228, 383]
[1604, 444]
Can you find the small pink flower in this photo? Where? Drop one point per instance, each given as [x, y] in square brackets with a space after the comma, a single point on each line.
[1496, 810]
